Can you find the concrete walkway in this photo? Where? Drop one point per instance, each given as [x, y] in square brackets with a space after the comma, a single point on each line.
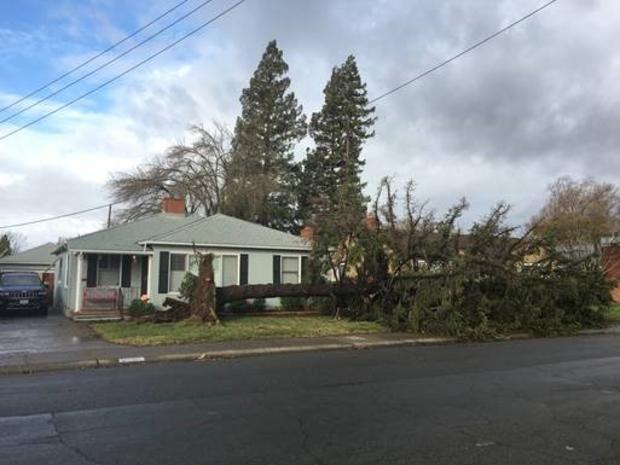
[29, 345]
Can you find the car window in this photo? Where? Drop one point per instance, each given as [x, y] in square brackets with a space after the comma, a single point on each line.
[20, 280]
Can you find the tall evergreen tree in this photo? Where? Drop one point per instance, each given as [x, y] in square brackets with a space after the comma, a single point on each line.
[331, 172]
[262, 174]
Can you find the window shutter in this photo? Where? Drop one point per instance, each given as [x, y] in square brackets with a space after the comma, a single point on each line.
[243, 270]
[144, 275]
[126, 271]
[305, 272]
[91, 270]
[276, 269]
[164, 263]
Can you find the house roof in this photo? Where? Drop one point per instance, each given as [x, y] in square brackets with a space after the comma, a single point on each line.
[126, 237]
[227, 231]
[167, 229]
[41, 255]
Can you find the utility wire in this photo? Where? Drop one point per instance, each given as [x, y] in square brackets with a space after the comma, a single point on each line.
[107, 63]
[66, 215]
[127, 71]
[460, 54]
[93, 58]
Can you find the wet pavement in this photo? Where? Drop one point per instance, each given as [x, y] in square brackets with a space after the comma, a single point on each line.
[531, 402]
[21, 336]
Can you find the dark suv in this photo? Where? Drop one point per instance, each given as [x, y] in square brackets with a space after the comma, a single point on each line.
[23, 291]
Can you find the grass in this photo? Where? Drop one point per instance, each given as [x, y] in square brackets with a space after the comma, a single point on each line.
[150, 334]
[614, 315]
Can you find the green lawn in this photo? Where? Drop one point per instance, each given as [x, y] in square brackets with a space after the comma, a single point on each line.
[614, 314]
[148, 334]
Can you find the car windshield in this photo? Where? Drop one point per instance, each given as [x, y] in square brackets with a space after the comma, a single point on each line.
[19, 280]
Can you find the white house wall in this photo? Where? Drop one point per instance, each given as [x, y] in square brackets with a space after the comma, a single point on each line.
[260, 267]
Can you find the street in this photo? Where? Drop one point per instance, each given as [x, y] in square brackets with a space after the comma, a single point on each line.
[546, 401]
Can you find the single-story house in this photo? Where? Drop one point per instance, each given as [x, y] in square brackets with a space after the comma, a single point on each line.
[38, 259]
[108, 269]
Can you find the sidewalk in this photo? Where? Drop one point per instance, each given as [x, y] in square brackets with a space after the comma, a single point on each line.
[105, 355]
[111, 355]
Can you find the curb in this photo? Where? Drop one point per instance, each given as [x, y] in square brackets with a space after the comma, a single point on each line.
[214, 355]
[239, 353]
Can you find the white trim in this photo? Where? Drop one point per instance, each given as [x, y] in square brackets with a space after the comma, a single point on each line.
[298, 257]
[233, 246]
[238, 255]
[176, 292]
[78, 287]
[112, 252]
[149, 274]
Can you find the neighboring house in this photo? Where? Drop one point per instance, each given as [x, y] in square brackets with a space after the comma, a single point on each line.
[107, 269]
[38, 259]
[611, 265]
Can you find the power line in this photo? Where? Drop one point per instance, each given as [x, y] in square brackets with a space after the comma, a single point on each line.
[93, 58]
[127, 71]
[107, 63]
[460, 54]
[66, 215]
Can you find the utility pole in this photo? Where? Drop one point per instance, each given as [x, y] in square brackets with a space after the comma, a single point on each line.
[109, 215]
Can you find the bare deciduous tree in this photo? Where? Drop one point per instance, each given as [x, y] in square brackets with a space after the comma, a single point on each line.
[196, 172]
[578, 215]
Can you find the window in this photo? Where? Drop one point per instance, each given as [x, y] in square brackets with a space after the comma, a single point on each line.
[225, 269]
[21, 279]
[109, 270]
[178, 267]
[230, 270]
[290, 270]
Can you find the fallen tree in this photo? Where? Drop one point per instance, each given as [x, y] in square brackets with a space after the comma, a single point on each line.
[263, 291]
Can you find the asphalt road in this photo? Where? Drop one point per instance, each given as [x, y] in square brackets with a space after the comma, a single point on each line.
[551, 401]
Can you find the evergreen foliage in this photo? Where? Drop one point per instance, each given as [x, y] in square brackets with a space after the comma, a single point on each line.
[262, 175]
[332, 170]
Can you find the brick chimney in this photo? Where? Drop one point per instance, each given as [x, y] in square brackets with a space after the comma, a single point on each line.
[172, 205]
[307, 233]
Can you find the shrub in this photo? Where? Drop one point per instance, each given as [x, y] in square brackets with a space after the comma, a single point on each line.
[292, 303]
[188, 286]
[139, 308]
[259, 304]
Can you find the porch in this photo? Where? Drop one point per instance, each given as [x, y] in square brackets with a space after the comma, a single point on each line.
[107, 283]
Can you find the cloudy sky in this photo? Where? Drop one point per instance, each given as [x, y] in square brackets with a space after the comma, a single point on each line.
[499, 124]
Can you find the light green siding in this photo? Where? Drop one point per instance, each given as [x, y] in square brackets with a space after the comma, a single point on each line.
[260, 268]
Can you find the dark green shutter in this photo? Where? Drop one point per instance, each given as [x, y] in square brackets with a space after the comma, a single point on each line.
[305, 272]
[91, 270]
[164, 264]
[276, 269]
[126, 271]
[243, 275]
[144, 274]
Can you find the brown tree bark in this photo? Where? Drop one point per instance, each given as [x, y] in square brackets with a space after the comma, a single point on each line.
[203, 303]
[258, 291]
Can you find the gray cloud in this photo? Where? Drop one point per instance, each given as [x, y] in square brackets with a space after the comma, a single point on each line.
[500, 123]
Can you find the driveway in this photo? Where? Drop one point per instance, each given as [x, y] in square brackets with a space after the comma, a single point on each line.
[22, 336]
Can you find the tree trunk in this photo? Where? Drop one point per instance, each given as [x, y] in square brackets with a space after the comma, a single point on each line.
[203, 303]
[261, 291]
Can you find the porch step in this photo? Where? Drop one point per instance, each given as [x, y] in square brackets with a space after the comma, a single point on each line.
[97, 315]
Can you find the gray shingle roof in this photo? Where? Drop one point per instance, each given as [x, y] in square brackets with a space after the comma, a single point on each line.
[125, 237]
[227, 231]
[217, 230]
[41, 255]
